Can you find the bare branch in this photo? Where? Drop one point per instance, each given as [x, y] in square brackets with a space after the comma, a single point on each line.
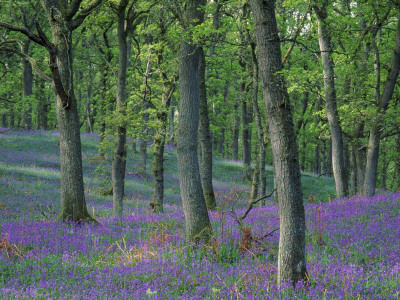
[269, 233]
[296, 34]
[255, 202]
[24, 31]
[392, 132]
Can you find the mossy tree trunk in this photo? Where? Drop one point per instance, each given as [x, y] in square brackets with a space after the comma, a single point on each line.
[197, 221]
[291, 257]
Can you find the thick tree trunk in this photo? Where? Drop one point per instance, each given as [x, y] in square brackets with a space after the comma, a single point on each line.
[72, 189]
[197, 222]
[205, 138]
[338, 164]
[119, 153]
[376, 129]
[291, 257]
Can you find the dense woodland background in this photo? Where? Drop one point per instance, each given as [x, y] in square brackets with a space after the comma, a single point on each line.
[362, 36]
[204, 76]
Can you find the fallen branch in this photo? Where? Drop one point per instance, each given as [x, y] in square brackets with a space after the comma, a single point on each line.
[323, 174]
[255, 202]
[269, 233]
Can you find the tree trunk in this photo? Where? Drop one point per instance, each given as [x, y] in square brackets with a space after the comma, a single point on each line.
[27, 83]
[12, 118]
[396, 175]
[171, 128]
[103, 106]
[205, 138]
[377, 126]
[353, 171]
[383, 170]
[158, 162]
[197, 222]
[91, 105]
[292, 251]
[73, 205]
[260, 131]
[143, 142]
[255, 182]
[339, 171]
[119, 153]
[43, 106]
[159, 143]
[317, 163]
[146, 116]
[235, 133]
[4, 120]
[246, 146]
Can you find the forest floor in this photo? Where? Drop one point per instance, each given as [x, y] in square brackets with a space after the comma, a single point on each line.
[353, 245]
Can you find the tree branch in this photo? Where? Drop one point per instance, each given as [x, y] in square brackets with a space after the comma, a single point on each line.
[81, 16]
[255, 202]
[24, 31]
[73, 9]
[32, 61]
[296, 34]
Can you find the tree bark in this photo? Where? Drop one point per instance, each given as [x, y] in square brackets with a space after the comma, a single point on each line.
[4, 120]
[291, 257]
[171, 128]
[206, 161]
[255, 183]
[324, 168]
[235, 133]
[383, 170]
[119, 153]
[61, 65]
[377, 126]
[246, 145]
[143, 141]
[396, 175]
[260, 131]
[197, 222]
[12, 118]
[339, 171]
[27, 78]
[159, 143]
